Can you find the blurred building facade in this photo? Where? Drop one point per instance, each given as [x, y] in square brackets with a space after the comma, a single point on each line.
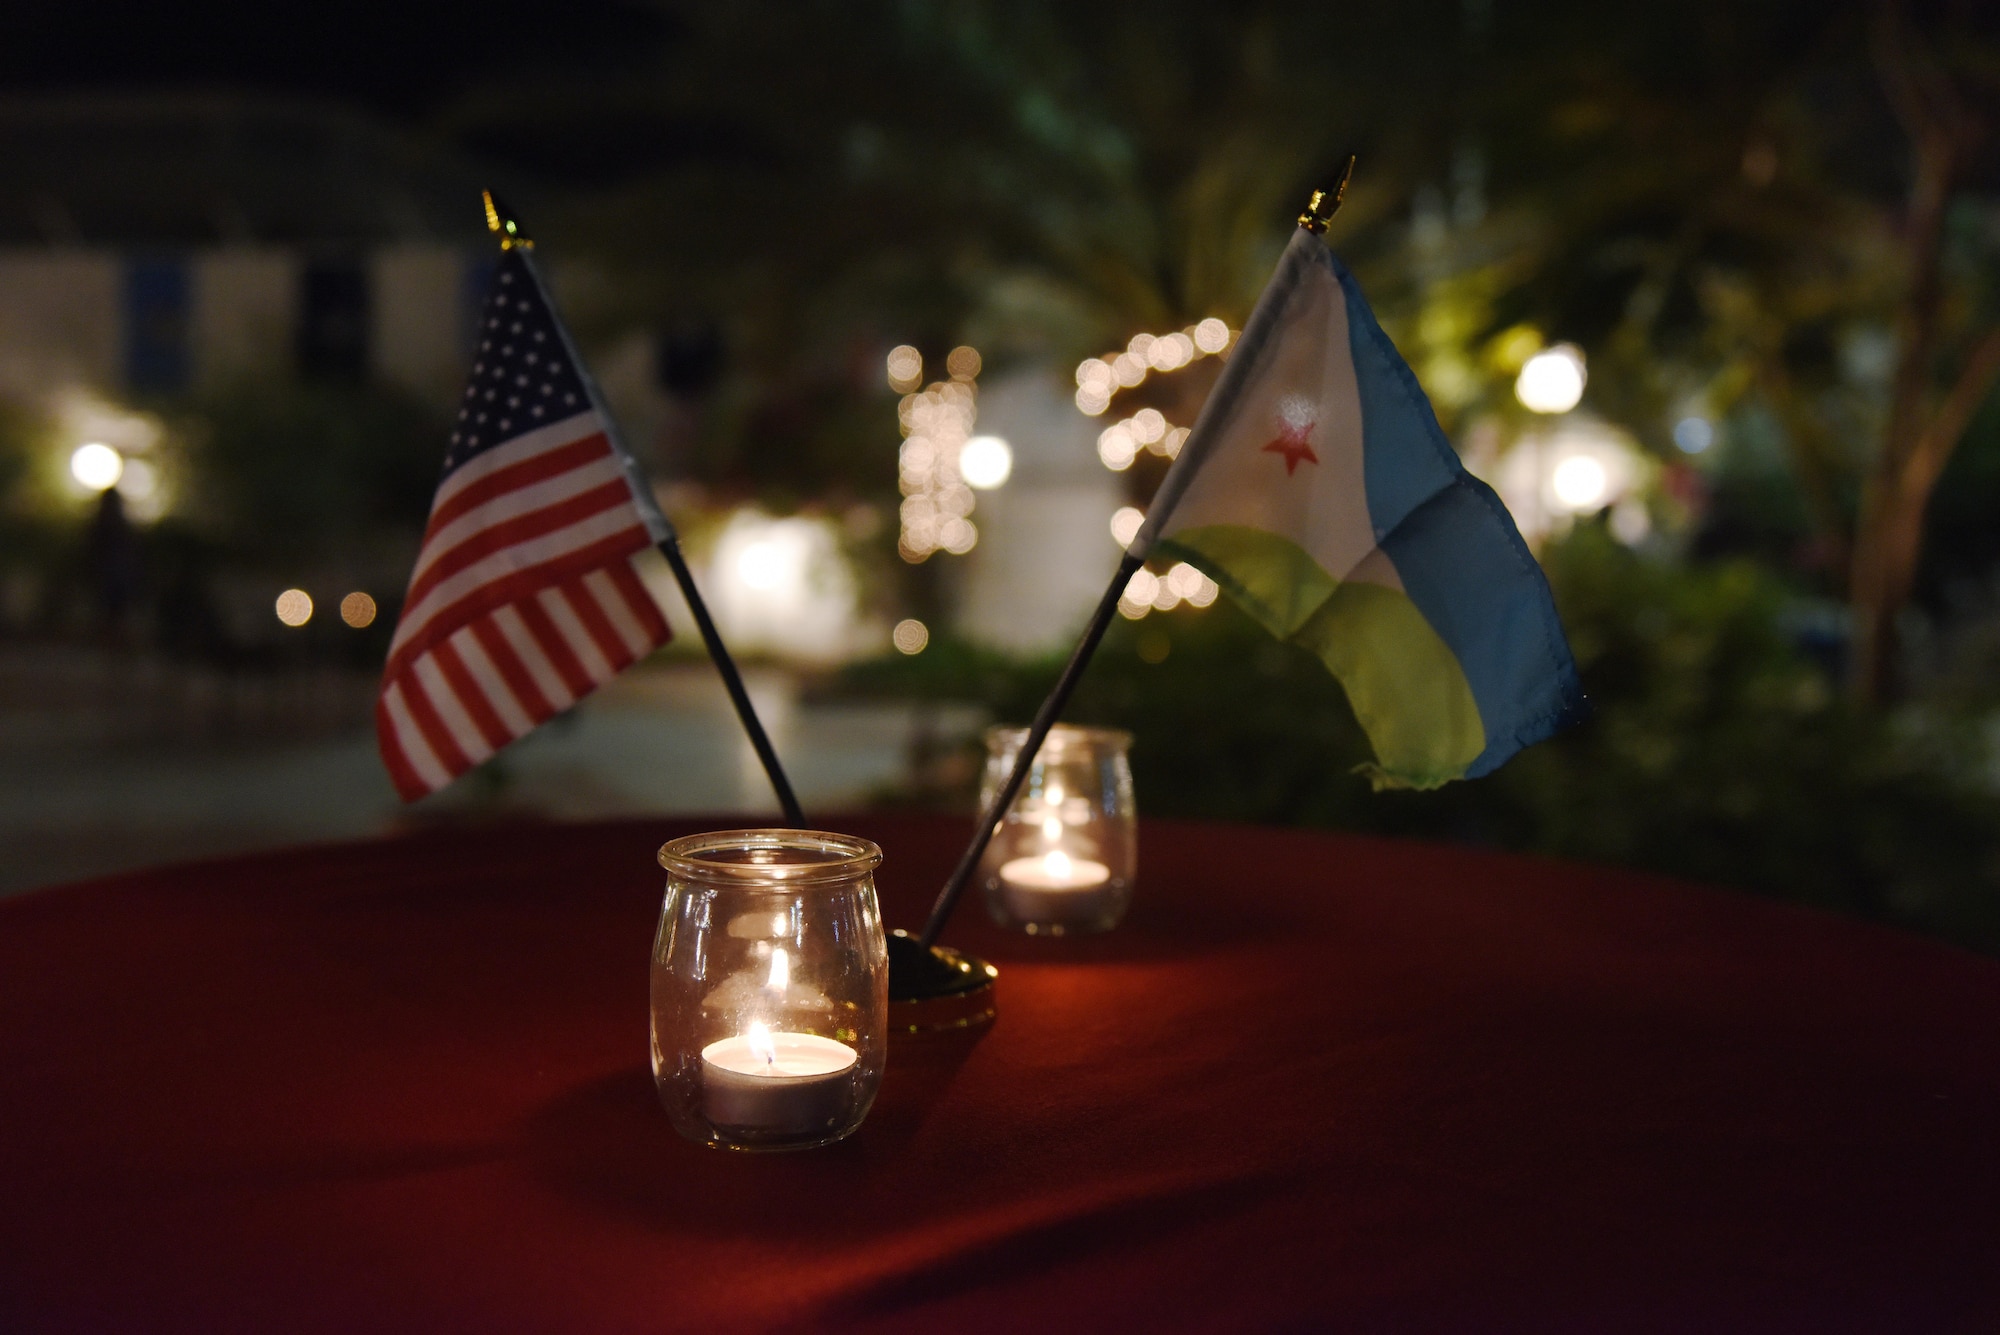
[140, 321]
[156, 246]
[1046, 550]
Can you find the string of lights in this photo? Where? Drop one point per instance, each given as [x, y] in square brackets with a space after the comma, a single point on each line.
[1098, 381]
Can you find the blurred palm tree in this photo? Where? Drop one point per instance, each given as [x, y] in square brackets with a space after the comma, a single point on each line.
[1774, 208]
[1734, 205]
[1043, 179]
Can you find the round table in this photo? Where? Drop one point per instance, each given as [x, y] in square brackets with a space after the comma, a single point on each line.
[1314, 1081]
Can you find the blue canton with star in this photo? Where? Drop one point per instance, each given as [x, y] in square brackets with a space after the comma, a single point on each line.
[521, 377]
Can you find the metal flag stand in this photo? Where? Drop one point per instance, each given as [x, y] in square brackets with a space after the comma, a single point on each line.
[918, 967]
[503, 222]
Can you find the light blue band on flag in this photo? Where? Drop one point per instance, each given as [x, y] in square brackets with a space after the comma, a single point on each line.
[1460, 557]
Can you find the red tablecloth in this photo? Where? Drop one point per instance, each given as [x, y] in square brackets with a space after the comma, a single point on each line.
[1313, 1082]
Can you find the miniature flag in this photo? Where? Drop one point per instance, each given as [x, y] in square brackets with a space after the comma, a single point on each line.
[1319, 491]
[537, 578]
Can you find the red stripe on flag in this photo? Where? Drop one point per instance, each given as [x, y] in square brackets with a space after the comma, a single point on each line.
[535, 524]
[556, 647]
[508, 664]
[408, 786]
[640, 600]
[515, 476]
[443, 745]
[471, 696]
[519, 588]
[602, 633]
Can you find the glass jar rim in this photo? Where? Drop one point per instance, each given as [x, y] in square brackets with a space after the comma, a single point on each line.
[826, 856]
[1060, 736]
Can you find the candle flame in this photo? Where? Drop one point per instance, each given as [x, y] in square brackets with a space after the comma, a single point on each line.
[1052, 829]
[1057, 864]
[781, 969]
[759, 1038]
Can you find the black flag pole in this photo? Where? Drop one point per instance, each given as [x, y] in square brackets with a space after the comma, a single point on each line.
[1319, 208]
[504, 223]
[1038, 732]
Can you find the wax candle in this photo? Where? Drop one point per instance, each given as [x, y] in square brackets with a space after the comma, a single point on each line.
[1062, 858]
[777, 1081]
[1055, 887]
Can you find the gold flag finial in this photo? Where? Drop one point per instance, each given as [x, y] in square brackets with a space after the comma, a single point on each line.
[1325, 203]
[501, 221]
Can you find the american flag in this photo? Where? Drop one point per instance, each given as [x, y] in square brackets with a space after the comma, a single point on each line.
[537, 576]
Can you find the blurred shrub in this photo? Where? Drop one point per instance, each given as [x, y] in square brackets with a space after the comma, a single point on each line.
[291, 469]
[1717, 750]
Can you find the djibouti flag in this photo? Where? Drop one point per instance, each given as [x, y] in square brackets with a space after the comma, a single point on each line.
[1319, 491]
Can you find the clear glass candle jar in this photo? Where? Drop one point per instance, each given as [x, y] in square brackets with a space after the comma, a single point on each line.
[1065, 853]
[770, 987]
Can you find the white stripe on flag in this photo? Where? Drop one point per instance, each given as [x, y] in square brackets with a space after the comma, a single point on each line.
[450, 709]
[494, 686]
[511, 560]
[577, 635]
[618, 612]
[654, 573]
[410, 740]
[543, 438]
[529, 650]
[514, 504]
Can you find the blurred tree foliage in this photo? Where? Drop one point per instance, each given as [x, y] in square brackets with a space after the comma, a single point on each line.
[1029, 177]
[1716, 750]
[288, 470]
[285, 477]
[1775, 212]
[1785, 214]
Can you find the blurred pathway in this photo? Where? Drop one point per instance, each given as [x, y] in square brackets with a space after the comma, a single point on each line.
[80, 796]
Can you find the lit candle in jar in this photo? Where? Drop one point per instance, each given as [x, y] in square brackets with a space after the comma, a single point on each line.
[778, 1082]
[1054, 887]
[761, 1080]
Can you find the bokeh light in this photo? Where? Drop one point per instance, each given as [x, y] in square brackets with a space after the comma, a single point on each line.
[958, 536]
[1140, 590]
[910, 636]
[906, 368]
[295, 607]
[1125, 525]
[1580, 483]
[357, 609]
[761, 565]
[97, 466]
[941, 461]
[1117, 448]
[1552, 381]
[138, 481]
[986, 462]
[1171, 353]
[1694, 434]
[1099, 379]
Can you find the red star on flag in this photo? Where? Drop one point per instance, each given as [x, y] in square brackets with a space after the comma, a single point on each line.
[1295, 427]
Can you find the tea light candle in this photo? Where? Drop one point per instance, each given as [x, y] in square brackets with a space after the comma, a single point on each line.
[1054, 887]
[779, 1082]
